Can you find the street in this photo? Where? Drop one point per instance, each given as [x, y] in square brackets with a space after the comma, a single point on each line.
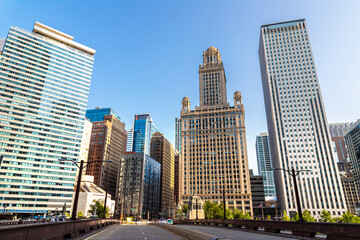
[152, 232]
[231, 234]
[134, 232]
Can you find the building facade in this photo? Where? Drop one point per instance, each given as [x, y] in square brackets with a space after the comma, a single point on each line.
[351, 192]
[45, 78]
[144, 128]
[352, 139]
[213, 141]
[337, 131]
[163, 151]
[177, 178]
[138, 191]
[90, 192]
[108, 143]
[178, 134]
[129, 144]
[265, 166]
[298, 130]
[97, 114]
[85, 142]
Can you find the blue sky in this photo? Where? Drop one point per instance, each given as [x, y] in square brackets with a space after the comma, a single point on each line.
[148, 52]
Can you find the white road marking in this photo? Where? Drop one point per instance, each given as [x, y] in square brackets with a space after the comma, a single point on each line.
[96, 234]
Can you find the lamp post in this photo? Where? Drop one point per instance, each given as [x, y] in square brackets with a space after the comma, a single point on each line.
[294, 173]
[80, 167]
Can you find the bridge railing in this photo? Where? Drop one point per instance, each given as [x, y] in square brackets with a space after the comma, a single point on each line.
[57, 230]
[333, 231]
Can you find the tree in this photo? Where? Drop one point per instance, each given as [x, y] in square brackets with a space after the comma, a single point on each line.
[349, 218]
[285, 217]
[98, 204]
[80, 214]
[326, 217]
[268, 217]
[296, 217]
[239, 214]
[185, 208]
[307, 216]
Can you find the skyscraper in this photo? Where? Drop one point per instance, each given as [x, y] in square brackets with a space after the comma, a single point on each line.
[108, 143]
[178, 134]
[265, 165]
[85, 142]
[144, 128]
[337, 132]
[129, 144]
[138, 192]
[298, 130]
[352, 139]
[213, 141]
[45, 79]
[163, 151]
[178, 177]
[97, 114]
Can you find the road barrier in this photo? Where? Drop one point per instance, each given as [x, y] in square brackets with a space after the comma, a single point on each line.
[333, 231]
[60, 230]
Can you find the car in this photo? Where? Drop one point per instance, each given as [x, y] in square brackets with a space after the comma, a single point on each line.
[170, 221]
[162, 220]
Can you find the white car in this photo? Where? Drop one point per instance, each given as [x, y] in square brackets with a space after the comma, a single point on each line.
[163, 220]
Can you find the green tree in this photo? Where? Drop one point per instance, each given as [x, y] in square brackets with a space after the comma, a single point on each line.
[296, 217]
[80, 214]
[98, 204]
[285, 217]
[268, 217]
[349, 218]
[185, 208]
[307, 216]
[326, 217]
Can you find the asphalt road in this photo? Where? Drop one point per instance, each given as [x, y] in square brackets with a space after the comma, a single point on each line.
[231, 234]
[134, 232]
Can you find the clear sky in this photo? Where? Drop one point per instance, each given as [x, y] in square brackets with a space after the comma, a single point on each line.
[148, 52]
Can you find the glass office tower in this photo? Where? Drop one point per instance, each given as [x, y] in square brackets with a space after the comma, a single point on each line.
[144, 128]
[138, 191]
[265, 166]
[298, 129]
[45, 79]
[98, 114]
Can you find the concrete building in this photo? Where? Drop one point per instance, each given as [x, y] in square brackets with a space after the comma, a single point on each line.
[130, 137]
[144, 128]
[352, 139]
[108, 143]
[45, 79]
[178, 134]
[213, 141]
[298, 129]
[163, 151]
[351, 192]
[138, 191]
[85, 142]
[337, 131]
[90, 192]
[265, 166]
[177, 178]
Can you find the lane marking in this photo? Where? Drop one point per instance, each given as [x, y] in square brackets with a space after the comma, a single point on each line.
[96, 234]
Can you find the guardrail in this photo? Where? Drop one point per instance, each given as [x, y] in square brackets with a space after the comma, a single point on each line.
[333, 231]
[60, 230]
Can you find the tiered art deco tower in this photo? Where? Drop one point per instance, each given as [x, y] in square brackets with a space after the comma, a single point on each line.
[213, 141]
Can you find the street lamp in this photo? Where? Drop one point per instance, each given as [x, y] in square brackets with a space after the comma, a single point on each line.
[294, 173]
[224, 201]
[81, 167]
